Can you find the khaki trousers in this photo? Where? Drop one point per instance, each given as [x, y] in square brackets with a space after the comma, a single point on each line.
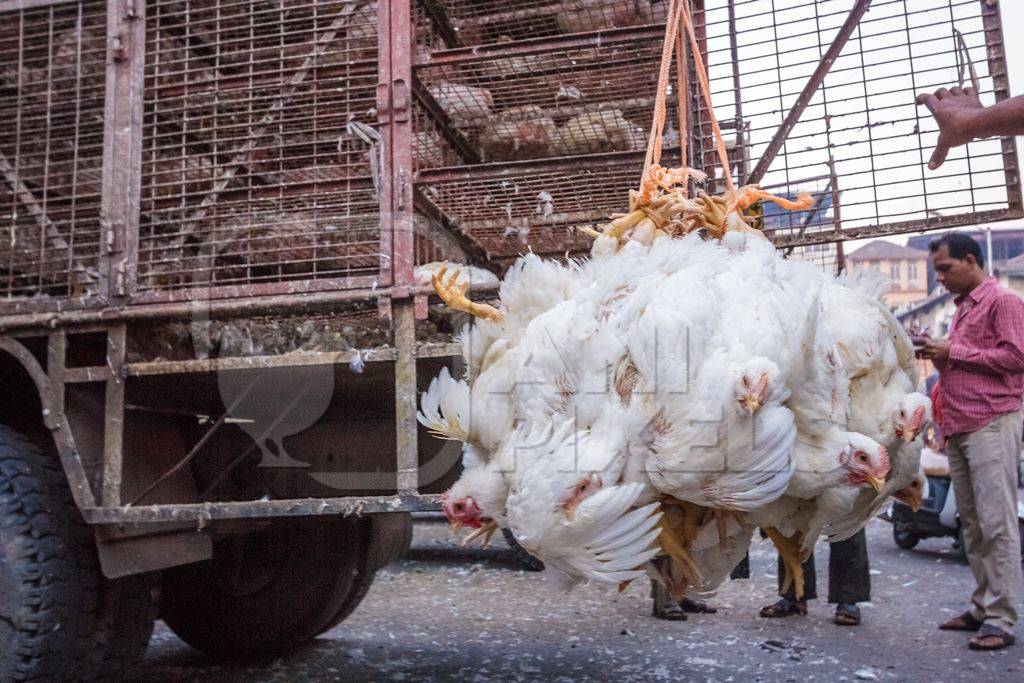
[983, 467]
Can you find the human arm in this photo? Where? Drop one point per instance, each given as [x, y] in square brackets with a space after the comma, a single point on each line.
[1007, 356]
[962, 117]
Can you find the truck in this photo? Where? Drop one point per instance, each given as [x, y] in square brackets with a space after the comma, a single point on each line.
[222, 215]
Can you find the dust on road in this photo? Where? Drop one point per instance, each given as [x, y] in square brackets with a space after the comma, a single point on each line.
[445, 613]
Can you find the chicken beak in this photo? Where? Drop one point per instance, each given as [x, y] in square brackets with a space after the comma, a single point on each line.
[876, 482]
[916, 501]
[457, 526]
[751, 403]
[570, 510]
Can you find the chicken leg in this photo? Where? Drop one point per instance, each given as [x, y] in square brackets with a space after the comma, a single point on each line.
[454, 296]
[485, 531]
[675, 545]
[792, 559]
[722, 518]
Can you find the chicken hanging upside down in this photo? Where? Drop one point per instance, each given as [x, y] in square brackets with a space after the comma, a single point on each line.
[643, 411]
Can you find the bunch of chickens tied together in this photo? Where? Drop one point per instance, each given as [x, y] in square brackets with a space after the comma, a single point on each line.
[646, 410]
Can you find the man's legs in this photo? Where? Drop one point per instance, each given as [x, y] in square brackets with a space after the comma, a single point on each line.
[960, 475]
[991, 456]
[849, 578]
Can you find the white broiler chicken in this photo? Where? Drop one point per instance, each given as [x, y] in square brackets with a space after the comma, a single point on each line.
[471, 275]
[467, 106]
[578, 16]
[667, 396]
[523, 132]
[829, 472]
[564, 508]
[599, 131]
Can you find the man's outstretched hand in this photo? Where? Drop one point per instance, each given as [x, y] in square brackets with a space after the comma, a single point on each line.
[956, 112]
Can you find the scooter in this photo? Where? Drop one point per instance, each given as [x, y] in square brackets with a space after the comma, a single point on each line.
[937, 517]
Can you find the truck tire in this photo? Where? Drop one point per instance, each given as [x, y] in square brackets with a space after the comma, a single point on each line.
[49, 572]
[387, 537]
[126, 614]
[524, 559]
[266, 592]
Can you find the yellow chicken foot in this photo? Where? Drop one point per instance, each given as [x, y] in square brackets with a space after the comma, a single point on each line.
[454, 296]
[789, 551]
[678, 553]
[748, 194]
[486, 531]
[722, 522]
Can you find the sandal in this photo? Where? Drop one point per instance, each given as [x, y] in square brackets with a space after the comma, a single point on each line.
[784, 608]
[847, 614]
[696, 606]
[964, 622]
[990, 638]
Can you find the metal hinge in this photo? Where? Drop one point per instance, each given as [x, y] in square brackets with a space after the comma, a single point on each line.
[129, 10]
[117, 49]
[111, 235]
[119, 277]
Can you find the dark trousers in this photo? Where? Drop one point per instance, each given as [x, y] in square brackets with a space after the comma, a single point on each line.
[849, 579]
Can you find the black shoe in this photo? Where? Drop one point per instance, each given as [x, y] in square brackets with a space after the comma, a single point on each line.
[847, 614]
[669, 612]
[696, 606]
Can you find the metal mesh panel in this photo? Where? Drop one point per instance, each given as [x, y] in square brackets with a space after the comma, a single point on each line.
[508, 79]
[52, 75]
[349, 327]
[484, 22]
[513, 209]
[432, 243]
[260, 151]
[864, 115]
[523, 104]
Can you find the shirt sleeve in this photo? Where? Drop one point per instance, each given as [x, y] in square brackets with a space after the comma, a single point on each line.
[1007, 356]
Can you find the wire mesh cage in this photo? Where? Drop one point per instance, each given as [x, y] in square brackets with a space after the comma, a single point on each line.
[509, 78]
[51, 148]
[260, 148]
[268, 166]
[862, 124]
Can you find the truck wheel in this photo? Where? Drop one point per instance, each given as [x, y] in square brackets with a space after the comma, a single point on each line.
[524, 559]
[904, 538]
[387, 537]
[49, 573]
[266, 592]
[127, 611]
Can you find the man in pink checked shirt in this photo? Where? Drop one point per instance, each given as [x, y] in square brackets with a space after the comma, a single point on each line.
[980, 384]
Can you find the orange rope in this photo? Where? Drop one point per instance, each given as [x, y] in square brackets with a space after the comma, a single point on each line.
[653, 156]
[682, 86]
[678, 15]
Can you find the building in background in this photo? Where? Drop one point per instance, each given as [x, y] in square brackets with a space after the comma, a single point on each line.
[905, 268]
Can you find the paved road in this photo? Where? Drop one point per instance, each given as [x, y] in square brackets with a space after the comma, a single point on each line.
[449, 614]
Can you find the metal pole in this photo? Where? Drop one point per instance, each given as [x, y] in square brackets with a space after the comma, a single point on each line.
[988, 245]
